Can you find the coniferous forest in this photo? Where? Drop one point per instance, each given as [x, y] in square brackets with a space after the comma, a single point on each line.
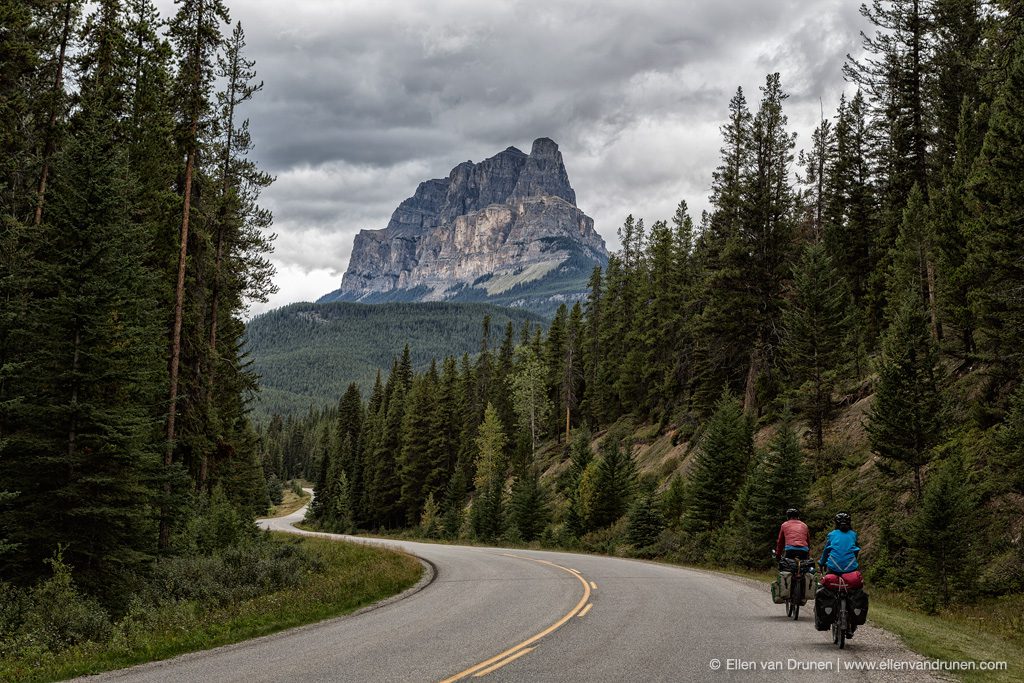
[132, 240]
[842, 330]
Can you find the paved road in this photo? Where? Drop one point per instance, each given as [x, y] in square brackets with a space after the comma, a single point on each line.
[518, 615]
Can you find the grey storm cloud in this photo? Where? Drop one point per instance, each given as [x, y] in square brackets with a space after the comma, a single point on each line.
[363, 99]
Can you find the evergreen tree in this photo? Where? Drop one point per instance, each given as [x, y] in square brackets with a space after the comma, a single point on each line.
[415, 461]
[894, 76]
[719, 467]
[384, 493]
[768, 230]
[673, 501]
[528, 506]
[580, 457]
[445, 432]
[951, 217]
[1010, 461]
[554, 361]
[645, 523]
[941, 538]
[79, 446]
[195, 33]
[911, 255]
[724, 331]
[60, 24]
[780, 481]
[850, 225]
[817, 164]
[350, 427]
[592, 404]
[569, 389]
[339, 516]
[996, 252]
[816, 323]
[614, 482]
[906, 420]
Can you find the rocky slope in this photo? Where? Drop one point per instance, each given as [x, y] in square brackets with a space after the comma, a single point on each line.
[505, 230]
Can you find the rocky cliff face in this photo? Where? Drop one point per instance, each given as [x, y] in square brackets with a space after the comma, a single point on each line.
[502, 229]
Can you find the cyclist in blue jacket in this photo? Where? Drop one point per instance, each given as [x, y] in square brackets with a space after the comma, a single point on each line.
[840, 553]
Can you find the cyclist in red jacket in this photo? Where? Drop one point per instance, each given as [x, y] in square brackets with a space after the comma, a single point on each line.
[794, 537]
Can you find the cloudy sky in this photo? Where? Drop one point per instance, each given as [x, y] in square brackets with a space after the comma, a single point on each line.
[366, 98]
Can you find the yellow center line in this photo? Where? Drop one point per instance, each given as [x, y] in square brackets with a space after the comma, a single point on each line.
[507, 660]
[534, 638]
[585, 610]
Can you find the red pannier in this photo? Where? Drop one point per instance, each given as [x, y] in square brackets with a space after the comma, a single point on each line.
[853, 580]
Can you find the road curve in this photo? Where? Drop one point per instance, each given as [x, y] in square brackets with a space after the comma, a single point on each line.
[524, 615]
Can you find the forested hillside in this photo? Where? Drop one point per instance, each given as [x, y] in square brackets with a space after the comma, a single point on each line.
[306, 354]
[843, 330]
[131, 241]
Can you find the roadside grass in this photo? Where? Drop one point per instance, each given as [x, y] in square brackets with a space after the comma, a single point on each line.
[987, 631]
[351, 576]
[290, 504]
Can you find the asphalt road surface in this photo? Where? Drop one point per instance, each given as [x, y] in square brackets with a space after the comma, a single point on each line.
[524, 615]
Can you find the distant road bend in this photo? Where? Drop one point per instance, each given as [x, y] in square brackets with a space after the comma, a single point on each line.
[524, 615]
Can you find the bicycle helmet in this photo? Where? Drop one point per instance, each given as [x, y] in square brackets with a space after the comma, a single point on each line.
[843, 521]
[792, 513]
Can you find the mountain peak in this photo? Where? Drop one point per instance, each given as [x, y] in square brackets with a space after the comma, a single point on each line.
[544, 174]
[487, 229]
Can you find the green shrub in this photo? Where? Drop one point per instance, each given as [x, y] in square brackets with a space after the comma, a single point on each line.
[230, 575]
[54, 615]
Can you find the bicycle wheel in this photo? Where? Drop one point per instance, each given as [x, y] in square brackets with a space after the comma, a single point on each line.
[841, 623]
[789, 607]
[796, 596]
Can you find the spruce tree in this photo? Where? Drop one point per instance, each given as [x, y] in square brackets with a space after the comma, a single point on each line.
[349, 427]
[415, 462]
[911, 256]
[445, 432]
[779, 482]
[768, 231]
[996, 252]
[816, 322]
[592, 404]
[580, 457]
[1010, 460]
[725, 330]
[894, 76]
[941, 535]
[673, 501]
[951, 218]
[430, 520]
[569, 384]
[850, 212]
[79, 446]
[528, 508]
[614, 483]
[554, 360]
[645, 523]
[719, 467]
[907, 416]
